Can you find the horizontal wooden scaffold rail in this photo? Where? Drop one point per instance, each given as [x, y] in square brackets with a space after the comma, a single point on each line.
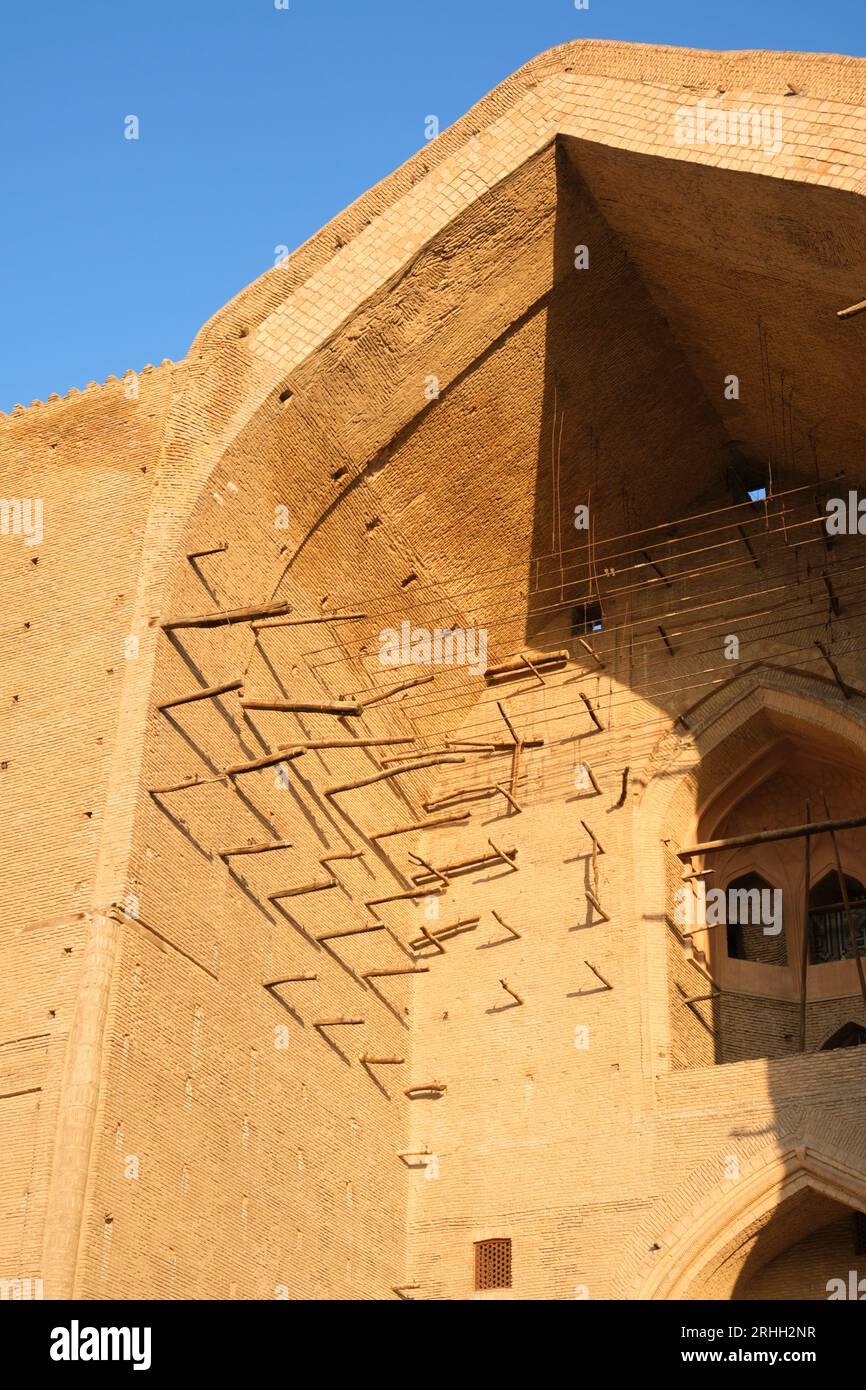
[520, 666]
[185, 785]
[433, 938]
[400, 970]
[350, 708]
[481, 861]
[265, 848]
[308, 622]
[407, 897]
[211, 550]
[378, 696]
[464, 745]
[392, 772]
[283, 756]
[228, 615]
[303, 889]
[320, 744]
[766, 837]
[289, 980]
[208, 692]
[350, 931]
[342, 707]
[331, 882]
[461, 819]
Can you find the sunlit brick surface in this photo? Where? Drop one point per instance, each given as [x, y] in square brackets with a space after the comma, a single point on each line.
[395, 426]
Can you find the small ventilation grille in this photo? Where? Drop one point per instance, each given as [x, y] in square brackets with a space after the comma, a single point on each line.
[493, 1264]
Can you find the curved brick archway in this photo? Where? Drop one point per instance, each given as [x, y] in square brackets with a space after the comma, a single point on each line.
[683, 775]
[701, 1240]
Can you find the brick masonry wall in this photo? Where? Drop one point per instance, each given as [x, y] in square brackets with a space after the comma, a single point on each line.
[587, 1123]
[90, 460]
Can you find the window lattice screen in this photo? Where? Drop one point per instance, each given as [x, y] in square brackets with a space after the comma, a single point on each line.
[493, 1264]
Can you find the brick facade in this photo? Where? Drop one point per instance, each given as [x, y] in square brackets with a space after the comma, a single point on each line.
[399, 423]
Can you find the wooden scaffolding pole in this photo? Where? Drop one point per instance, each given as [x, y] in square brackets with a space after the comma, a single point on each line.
[463, 745]
[289, 980]
[512, 992]
[592, 714]
[852, 929]
[352, 931]
[514, 670]
[592, 777]
[321, 744]
[766, 837]
[852, 310]
[209, 692]
[508, 723]
[433, 938]
[306, 622]
[624, 793]
[401, 970]
[304, 888]
[304, 706]
[514, 934]
[211, 550]
[595, 905]
[460, 819]
[391, 772]
[804, 953]
[481, 861]
[254, 849]
[596, 843]
[229, 615]
[183, 786]
[284, 755]
[846, 689]
[386, 694]
[598, 975]
[587, 648]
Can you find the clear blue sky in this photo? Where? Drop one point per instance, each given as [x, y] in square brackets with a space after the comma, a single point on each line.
[257, 126]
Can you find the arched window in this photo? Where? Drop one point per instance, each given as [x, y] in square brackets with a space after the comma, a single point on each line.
[849, 1035]
[829, 933]
[754, 921]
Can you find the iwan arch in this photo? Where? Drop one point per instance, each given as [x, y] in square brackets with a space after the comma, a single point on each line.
[261, 1038]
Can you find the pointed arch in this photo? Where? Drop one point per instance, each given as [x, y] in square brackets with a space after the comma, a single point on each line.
[691, 766]
[697, 1246]
[851, 1034]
